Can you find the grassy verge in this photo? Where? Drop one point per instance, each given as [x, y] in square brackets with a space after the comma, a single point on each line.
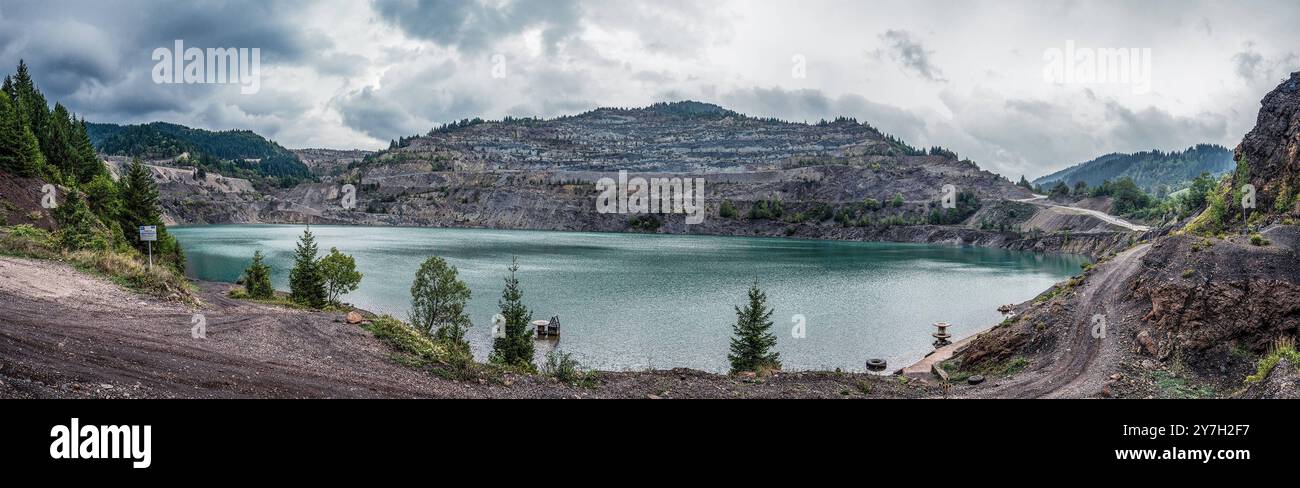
[563, 368]
[417, 350]
[124, 267]
[958, 374]
[281, 299]
[1172, 385]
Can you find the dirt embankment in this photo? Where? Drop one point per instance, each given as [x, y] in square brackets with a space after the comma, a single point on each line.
[65, 334]
[1184, 315]
[20, 202]
[1184, 310]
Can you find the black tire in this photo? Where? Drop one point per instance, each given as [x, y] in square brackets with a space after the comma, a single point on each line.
[975, 380]
[876, 364]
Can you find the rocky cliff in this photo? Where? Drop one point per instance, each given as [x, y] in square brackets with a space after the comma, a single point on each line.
[1272, 148]
[831, 180]
[1182, 310]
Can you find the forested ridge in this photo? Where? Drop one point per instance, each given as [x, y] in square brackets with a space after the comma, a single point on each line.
[1156, 172]
[237, 153]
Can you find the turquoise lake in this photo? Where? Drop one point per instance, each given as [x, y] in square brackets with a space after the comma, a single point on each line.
[637, 301]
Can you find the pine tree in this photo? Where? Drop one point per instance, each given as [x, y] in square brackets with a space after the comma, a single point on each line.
[516, 348]
[76, 223]
[11, 160]
[1024, 183]
[306, 285]
[31, 103]
[438, 299]
[19, 152]
[752, 341]
[139, 207]
[102, 196]
[257, 278]
[89, 166]
[56, 143]
[139, 198]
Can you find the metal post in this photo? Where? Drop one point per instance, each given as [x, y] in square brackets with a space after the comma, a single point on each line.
[150, 244]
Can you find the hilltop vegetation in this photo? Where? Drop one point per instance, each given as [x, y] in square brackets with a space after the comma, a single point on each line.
[46, 156]
[237, 153]
[1156, 172]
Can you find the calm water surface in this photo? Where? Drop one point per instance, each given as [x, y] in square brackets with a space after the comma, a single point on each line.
[635, 301]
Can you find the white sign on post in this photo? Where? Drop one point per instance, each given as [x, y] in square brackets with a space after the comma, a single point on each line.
[149, 234]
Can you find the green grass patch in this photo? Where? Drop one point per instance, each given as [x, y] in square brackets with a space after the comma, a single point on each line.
[415, 349]
[958, 374]
[1174, 386]
[1283, 348]
[239, 293]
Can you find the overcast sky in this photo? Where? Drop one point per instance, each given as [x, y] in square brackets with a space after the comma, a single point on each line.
[965, 75]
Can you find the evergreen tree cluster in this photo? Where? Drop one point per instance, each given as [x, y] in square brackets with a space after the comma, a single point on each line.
[1152, 171]
[318, 282]
[54, 145]
[36, 141]
[234, 153]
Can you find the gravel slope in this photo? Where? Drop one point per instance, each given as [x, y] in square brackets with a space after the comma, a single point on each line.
[67, 334]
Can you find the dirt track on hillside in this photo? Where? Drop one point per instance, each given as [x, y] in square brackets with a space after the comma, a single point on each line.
[1080, 365]
[67, 334]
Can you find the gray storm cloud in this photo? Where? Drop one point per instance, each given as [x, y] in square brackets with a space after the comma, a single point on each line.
[350, 74]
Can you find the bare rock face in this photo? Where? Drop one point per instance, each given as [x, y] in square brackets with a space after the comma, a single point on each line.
[1207, 298]
[1148, 344]
[1273, 147]
[1282, 382]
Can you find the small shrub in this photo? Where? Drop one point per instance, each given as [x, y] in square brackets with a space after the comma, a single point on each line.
[728, 210]
[565, 369]
[1258, 240]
